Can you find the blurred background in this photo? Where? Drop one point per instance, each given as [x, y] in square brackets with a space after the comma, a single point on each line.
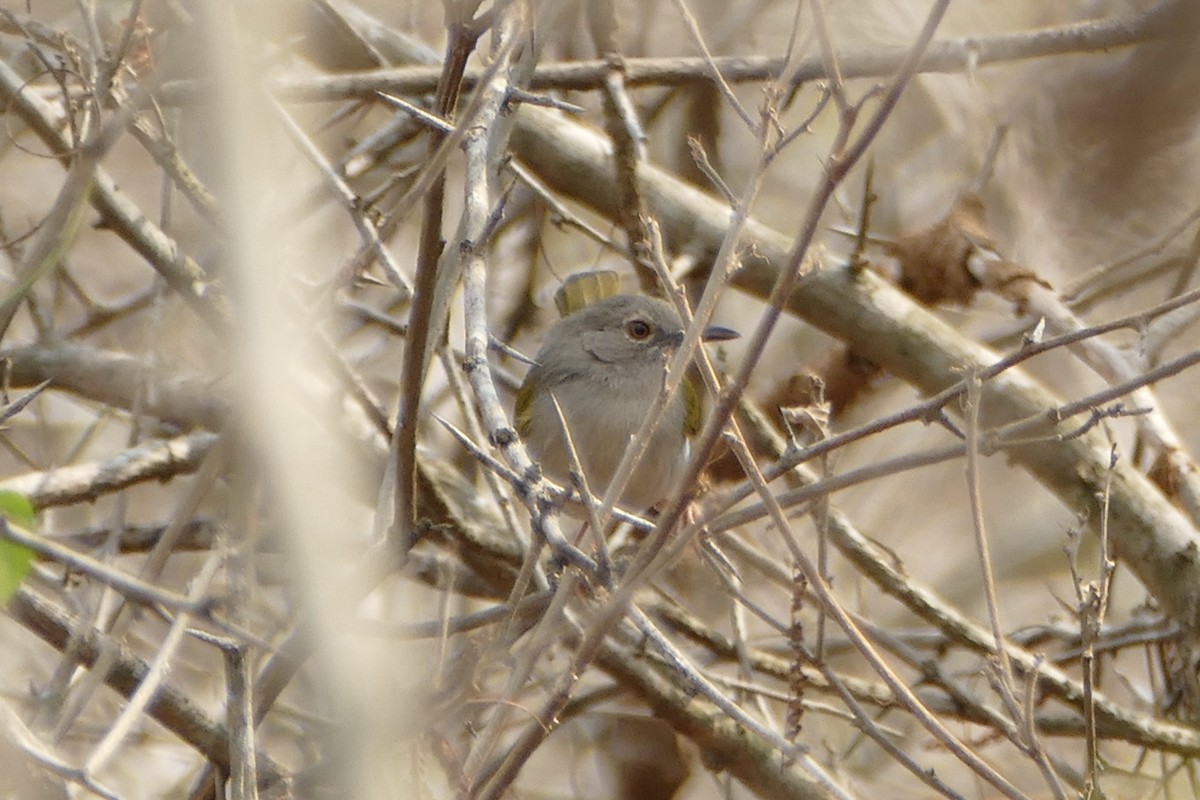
[220, 307]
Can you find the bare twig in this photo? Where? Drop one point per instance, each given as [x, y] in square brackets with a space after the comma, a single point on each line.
[180, 272]
[951, 56]
[171, 707]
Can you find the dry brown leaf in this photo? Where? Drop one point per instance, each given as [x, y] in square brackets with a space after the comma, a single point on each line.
[933, 261]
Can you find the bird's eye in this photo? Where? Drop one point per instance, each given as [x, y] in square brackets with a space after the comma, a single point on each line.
[638, 329]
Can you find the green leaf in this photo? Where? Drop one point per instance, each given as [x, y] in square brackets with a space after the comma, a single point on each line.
[15, 559]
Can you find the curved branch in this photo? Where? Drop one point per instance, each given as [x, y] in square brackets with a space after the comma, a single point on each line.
[116, 379]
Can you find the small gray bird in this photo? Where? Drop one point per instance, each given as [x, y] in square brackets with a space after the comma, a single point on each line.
[605, 364]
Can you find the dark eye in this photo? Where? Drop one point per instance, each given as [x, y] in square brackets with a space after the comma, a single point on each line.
[638, 329]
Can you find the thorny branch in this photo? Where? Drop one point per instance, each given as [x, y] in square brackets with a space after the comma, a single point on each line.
[572, 621]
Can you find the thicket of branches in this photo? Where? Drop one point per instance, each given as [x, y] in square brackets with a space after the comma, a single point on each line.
[268, 271]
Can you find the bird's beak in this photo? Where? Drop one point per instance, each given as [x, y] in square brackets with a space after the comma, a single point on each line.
[717, 333]
[713, 333]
